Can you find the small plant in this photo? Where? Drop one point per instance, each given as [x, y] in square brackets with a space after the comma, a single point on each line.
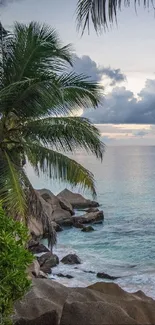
[14, 260]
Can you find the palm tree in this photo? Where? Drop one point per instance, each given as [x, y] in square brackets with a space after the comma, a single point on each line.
[38, 101]
[103, 12]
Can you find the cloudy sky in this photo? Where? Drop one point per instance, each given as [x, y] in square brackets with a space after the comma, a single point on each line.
[122, 60]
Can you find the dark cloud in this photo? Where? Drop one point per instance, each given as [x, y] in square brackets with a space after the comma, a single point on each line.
[89, 67]
[121, 106]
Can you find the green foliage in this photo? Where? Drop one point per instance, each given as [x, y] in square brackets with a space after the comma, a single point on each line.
[14, 260]
[39, 95]
[103, 13]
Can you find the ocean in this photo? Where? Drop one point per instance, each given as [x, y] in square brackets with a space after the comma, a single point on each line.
[124, 245]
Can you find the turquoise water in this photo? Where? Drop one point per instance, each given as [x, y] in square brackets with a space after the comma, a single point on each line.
[125, 244]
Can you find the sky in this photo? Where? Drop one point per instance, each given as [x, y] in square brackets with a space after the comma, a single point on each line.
[122, 60]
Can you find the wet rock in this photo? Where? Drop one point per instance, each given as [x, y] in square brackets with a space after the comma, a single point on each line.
[89, 217]
[71, 259]
[37, 248]
[47, 261]
[87, 229]
[97, 222]
[92, 210]
[103, 275]
[78, 225]
[77, 200]
[61, 275]
[91, 272]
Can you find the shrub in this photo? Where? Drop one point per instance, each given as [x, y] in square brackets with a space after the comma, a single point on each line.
[14, 260]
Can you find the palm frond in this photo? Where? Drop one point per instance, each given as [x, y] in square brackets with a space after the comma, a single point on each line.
[65, 133]
[58, 166]
[49, 94]
[103, 12]
[11, 182]
[32, 49]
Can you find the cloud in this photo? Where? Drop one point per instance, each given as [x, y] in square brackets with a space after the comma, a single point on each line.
[89, 67]
[141, 133]
[5, 2]
[121, 106]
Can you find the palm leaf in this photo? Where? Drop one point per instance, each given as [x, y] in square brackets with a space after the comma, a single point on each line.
[34, 48]
[102, 12]
[60, 167]
[49, 94]
[11, 181]
[65, 133]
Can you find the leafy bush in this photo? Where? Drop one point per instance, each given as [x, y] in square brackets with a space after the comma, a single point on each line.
[14, 260]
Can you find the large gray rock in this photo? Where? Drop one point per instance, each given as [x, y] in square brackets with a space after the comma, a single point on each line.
[47, 261]
[62, 217]
[101, 303]
[71, 259]
[55, 212]
[65, 205]
[77, 200]
[49, 318]
[89, 218]
[45, 296]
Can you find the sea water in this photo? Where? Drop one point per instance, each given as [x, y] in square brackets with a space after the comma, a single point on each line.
[124, 245]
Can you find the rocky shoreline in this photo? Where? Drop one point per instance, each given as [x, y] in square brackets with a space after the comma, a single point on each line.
[61, 213]
[51, 303]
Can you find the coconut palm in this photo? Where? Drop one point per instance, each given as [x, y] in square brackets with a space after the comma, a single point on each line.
[39, 97]
[103, 12]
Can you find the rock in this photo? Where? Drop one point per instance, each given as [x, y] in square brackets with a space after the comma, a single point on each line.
[65, 205]
[57, 227]
[92, 210]
[68, 276]
[62, 217]
[56, 201]
[87, 229]
[100, 304]
[89, 217]
[71, 259]
[54, 209]
[94, 313]
[42, 275]
[46, 296]
[97, 222]
[91, 272]
[35, 227]
[49, 318]
[49, 197]
[39, 248]
[103, 275]
[34, 269]
[47, 261]
[76, 200]
[33, 242]
[78, 225]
